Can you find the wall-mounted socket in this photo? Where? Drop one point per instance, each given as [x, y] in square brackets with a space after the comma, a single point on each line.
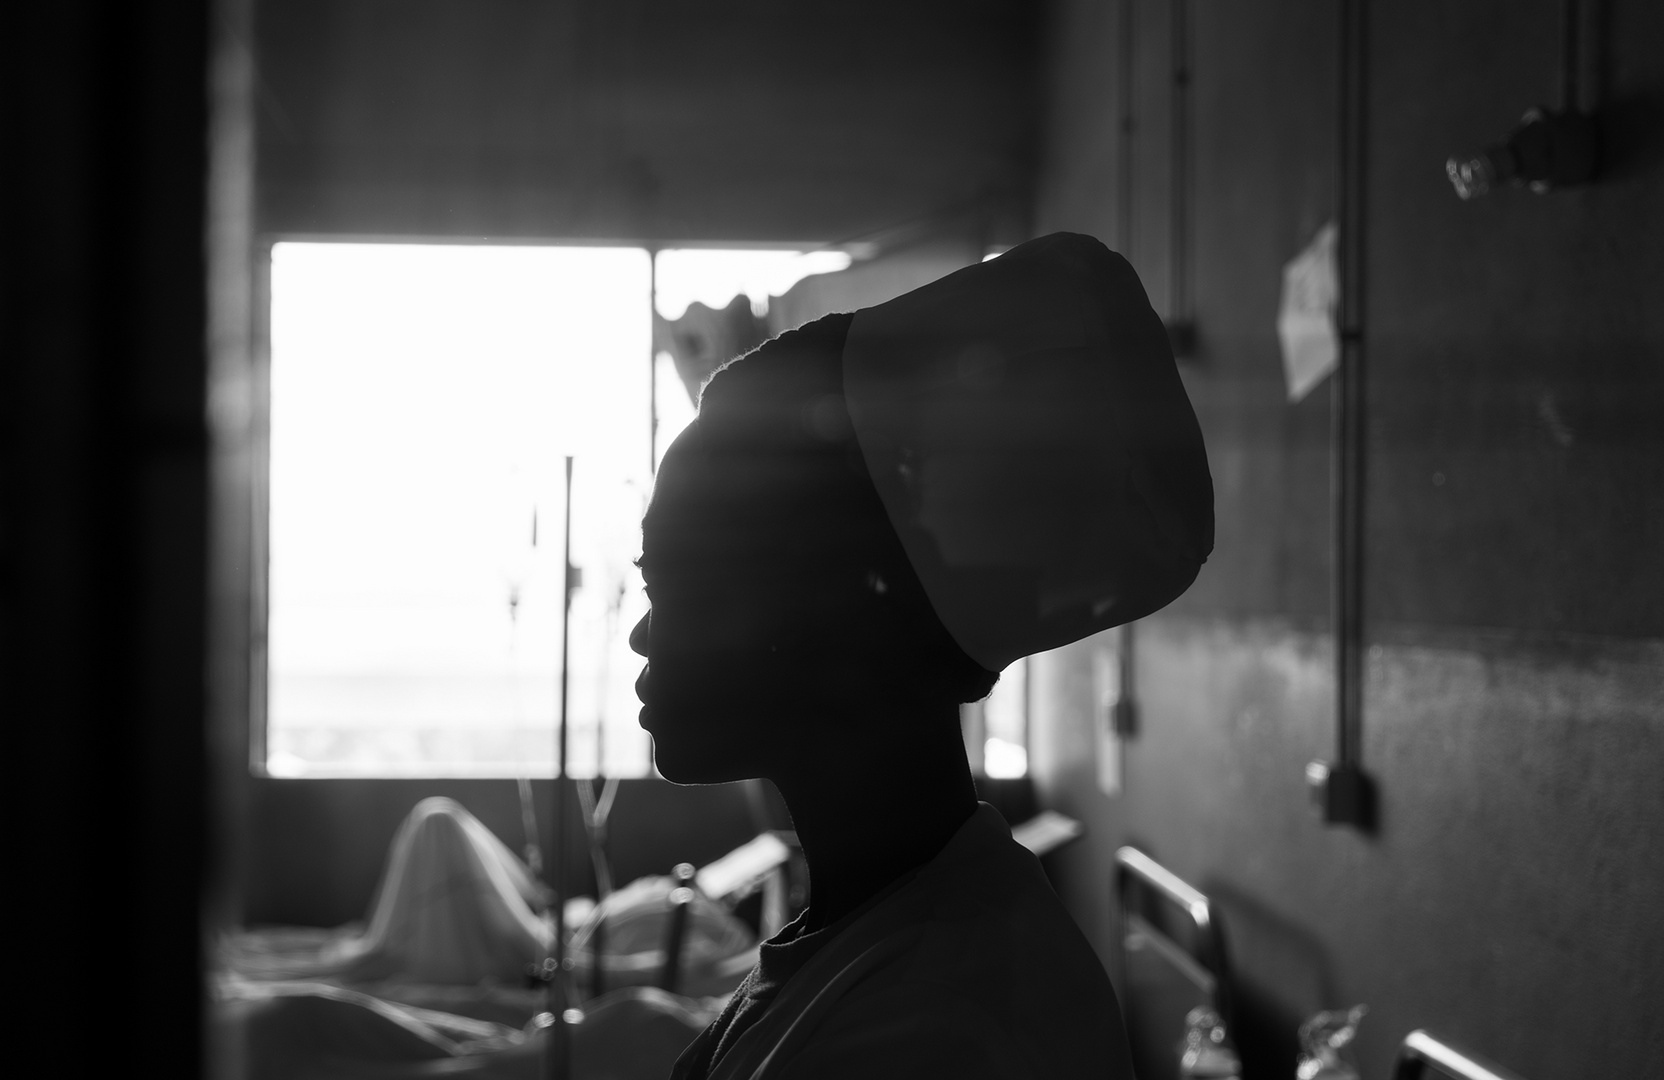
[1342, 792]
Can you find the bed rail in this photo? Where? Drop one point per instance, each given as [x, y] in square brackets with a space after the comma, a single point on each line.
[1420, 1050]
[1206, 971]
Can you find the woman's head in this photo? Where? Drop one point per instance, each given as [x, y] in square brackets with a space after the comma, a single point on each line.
[781, 596]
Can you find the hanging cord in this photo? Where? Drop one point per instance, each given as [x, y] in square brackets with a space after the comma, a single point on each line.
[528, 821]
[595, 824]
[595, 812]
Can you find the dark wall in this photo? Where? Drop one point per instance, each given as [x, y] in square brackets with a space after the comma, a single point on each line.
[1262, 152]
[103, 523]
[644, 119]
[1514, 504]
[1515, 343]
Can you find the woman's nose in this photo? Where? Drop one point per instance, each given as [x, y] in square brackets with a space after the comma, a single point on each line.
[638, 634]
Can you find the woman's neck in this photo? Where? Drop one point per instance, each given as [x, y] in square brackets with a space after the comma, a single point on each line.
[875, 801]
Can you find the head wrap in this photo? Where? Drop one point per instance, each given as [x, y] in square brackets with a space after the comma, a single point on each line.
[1028, 434]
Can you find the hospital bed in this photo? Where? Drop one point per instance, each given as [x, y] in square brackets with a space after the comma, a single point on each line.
[630, 1004]
[633, 996]
[1172, 953]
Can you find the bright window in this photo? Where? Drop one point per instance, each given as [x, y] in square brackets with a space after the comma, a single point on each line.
[423, 401]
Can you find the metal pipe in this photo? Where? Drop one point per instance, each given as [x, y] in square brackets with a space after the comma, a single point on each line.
[1128, 60]
[1348, 385]
[1180, 318]
[1420, 1049]
[1124, 720]
[1571, 19]
[1340, 786]
[1582, 44]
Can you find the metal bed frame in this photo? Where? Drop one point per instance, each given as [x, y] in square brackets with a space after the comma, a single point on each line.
[1207, 972]
[1420, 1050]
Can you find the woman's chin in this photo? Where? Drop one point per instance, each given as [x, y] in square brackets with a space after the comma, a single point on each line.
[684, 765]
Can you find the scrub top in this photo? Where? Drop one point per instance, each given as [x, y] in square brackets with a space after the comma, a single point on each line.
[971, 969]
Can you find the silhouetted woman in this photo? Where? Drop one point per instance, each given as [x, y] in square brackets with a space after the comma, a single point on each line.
[868, 519]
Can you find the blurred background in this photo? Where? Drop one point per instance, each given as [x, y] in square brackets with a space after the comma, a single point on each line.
[306, 304]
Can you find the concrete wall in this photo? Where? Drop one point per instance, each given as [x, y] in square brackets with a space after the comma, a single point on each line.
[645, 120]
[1514, 508]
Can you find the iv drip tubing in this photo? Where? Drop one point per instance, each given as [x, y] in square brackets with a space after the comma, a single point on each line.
[528, 823]
[523, 785]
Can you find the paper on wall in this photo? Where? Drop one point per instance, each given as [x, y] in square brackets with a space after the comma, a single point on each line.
[1306, 316]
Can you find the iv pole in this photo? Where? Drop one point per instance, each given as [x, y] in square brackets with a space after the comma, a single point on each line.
[559, 1053]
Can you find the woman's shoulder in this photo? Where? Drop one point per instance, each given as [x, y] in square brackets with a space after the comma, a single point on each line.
[903, 1029]
[985, 962]
[935, 1027]
[973, 969]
